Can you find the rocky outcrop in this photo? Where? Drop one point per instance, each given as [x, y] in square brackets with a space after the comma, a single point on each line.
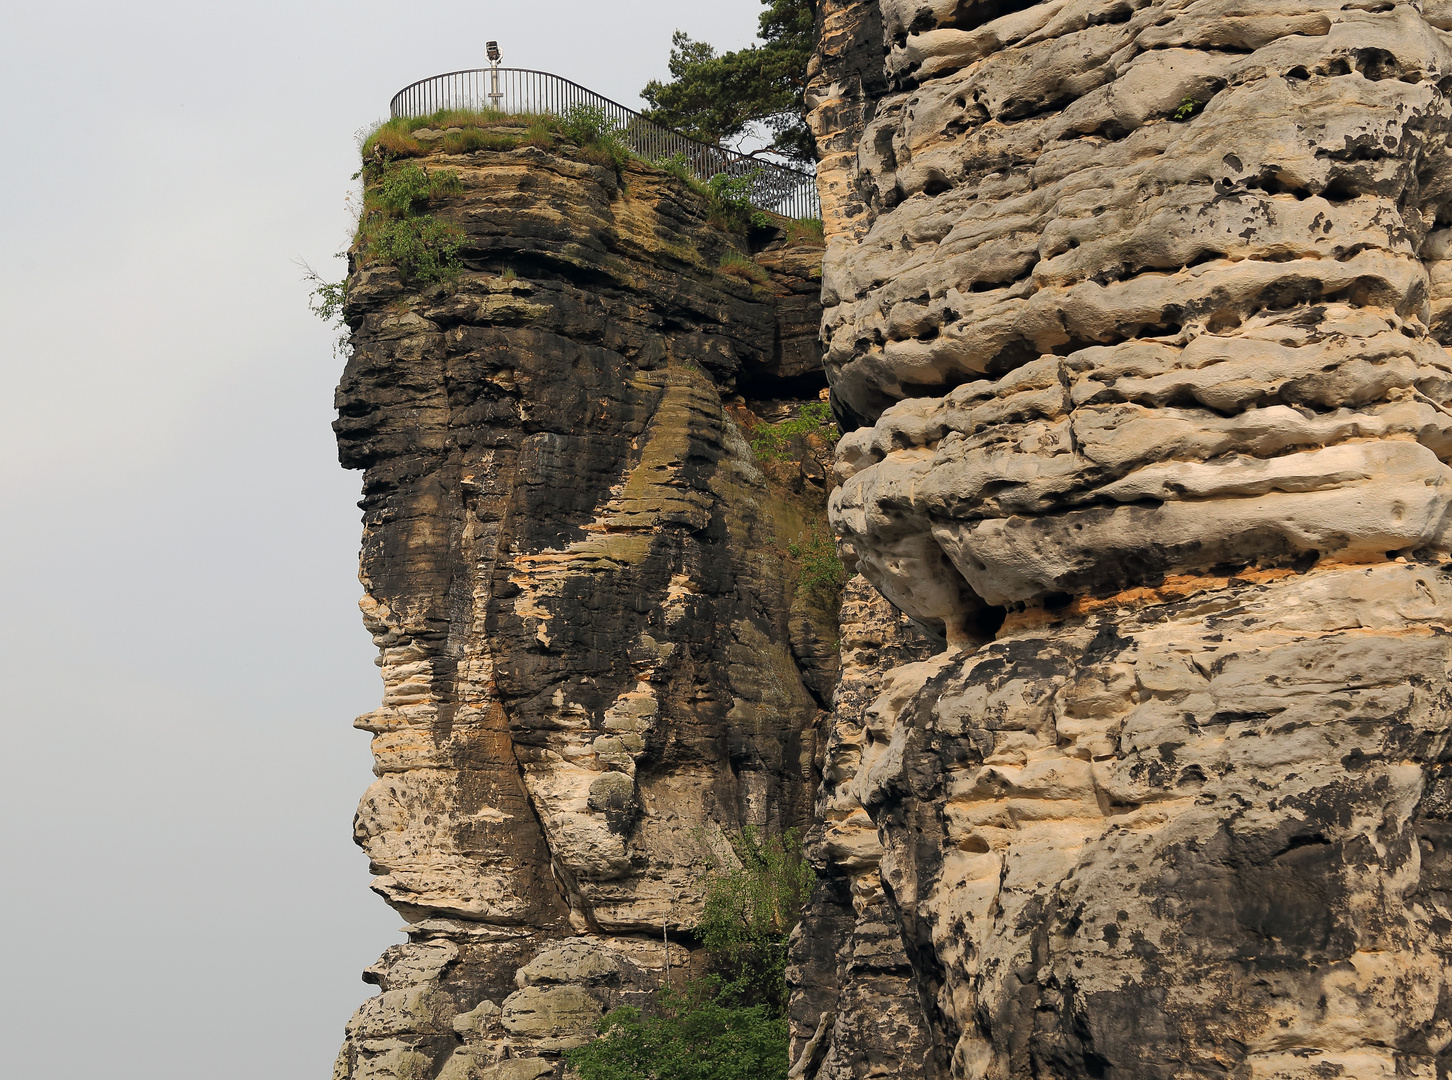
[579, 582]
[1141, 308]
[853, 981]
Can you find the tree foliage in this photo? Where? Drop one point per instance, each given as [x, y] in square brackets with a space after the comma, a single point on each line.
[731, 1024]
[716, 97]
[750, 912]
[694, 1035]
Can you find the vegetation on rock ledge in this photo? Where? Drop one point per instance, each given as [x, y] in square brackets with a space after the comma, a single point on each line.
[395, 228]
[771, 442]
[730, 1024]
[822, 572]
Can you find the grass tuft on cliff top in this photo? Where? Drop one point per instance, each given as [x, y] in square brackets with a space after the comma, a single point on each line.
[394, 138]
[734, 264]
[601, 141]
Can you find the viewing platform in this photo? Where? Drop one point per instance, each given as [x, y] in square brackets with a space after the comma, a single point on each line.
[777, 188]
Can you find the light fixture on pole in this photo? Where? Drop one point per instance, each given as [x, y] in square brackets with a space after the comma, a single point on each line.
[491, 49]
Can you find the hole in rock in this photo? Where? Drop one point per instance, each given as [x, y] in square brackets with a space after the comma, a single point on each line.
[988, 621]
[1376, 64]
[755, 384]
[971, 14]
[937, 184]
[1295, 842]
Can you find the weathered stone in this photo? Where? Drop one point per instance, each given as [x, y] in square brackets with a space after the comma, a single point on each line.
[477, 1020]
[1142, 310]
[577, 576]
[551, 1017]
[572, 962]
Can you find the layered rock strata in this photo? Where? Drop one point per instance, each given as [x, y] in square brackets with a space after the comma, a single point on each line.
[1142, 307]
[587, 619]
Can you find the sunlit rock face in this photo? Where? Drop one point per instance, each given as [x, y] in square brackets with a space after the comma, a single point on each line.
[1140, 309]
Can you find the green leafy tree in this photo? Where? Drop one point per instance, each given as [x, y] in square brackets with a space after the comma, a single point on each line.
[716, 97]
[750, 912]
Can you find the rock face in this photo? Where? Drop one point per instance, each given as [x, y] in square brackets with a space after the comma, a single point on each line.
[577, 577]
[1140, 308]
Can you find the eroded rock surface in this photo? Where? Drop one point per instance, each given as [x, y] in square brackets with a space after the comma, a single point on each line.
[1141, 308]
[578, 580]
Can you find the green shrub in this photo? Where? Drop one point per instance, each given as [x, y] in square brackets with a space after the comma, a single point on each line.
[771, 441]
[585, 124]
[591, 129]
[731, 1024]
[821, 572]
[749, 914]
[679, 166]
[326, 300]
[395, 230]
[731, 202]
[406, 187]
[424, 249]
[694, 1036]
[1188, 108]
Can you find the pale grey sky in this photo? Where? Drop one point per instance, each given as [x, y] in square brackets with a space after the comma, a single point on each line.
[179, 639]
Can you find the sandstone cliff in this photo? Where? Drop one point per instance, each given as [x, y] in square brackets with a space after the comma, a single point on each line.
[1139, 309]
[1137, 761]
[597, 657]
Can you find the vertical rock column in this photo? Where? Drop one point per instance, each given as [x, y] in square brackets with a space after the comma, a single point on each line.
[1144, 309]
[581, 604]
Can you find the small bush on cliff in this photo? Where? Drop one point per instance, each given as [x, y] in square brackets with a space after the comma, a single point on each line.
[394, 229]
[679, 166]
[821, 572]
[599, 136]
[771, 442]
[731, 207]
[693, 1036]
[406, 187]
[750, 912]
[424, 249]
[731, 1024]
[326, 300]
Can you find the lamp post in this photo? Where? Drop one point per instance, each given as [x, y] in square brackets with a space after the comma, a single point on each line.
[491, 49]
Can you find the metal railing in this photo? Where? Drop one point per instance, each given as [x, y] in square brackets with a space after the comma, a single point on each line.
[779, 188]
